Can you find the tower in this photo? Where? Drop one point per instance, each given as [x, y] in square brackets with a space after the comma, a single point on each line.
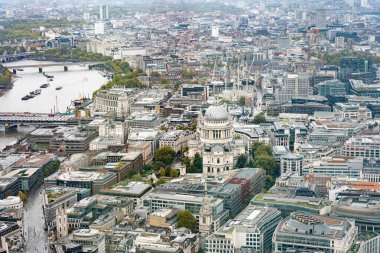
[61, 221]
[205, 215]
[362, 112]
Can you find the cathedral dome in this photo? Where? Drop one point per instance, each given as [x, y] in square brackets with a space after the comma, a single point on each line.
[216, 113]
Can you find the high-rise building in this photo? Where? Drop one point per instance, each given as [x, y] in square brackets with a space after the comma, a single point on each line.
[321, 21]
[357, 68]
[103, 12]
[295, 85]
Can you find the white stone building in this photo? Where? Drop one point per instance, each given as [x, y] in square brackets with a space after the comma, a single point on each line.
[216, 143]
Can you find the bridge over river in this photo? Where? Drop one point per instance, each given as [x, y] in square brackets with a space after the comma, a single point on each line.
[11, 120]
[42, 65]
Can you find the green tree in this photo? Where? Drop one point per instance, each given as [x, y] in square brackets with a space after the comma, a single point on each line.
[266, 162]
[187, 220]
[249, 164]
[155, 74]
[173, 172]
[198, 163]
[269, 182]
[22, 196]
[259, 148]
[160, 181]
[164, 154]
[241, 101]
[259, 118]
[137, 177]
[161, 172]
[164, 81]
[187, 162]
[241, 161]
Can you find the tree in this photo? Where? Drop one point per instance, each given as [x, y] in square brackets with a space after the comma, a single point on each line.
[154, 74]
[259, 118]
[187, 220]
[259, 148]
[173, 172]
[198, 163]
[22, 196]
[241, 101]
[161, 172]
[164, 154]
[137, 177]
[249, 164]
[160, 181]
[269, 182]
[241, 161]
[164, 81]
[266, 162]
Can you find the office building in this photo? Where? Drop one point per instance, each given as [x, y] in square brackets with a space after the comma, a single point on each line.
[314, 233]
[363, 209]
[335, 167]
[295, 85]
[113, 100]
[82, 240]
[143, 119]
[251, 230]
[90, 180]
[291, 164]
[177, 139]
[331, 88]
[367, 147]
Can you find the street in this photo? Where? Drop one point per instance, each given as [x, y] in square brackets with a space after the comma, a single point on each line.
[36, 236]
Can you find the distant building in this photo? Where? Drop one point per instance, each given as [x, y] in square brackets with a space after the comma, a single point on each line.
[321, 20]
[295, 85]
[314, 233]
[215, 31]
[103, 12]
[331, 88]
[99, 28]
[357, 68]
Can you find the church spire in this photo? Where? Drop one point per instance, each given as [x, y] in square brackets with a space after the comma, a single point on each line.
[205, 219]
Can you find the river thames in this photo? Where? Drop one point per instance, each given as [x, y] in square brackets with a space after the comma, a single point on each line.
[77, 81]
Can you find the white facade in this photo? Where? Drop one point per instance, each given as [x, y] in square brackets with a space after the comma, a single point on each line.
[215, 31]
[291, 164]
[61, 221]
[99, 28]
[294, 86]
[91, 238]
[217, 146]
[112, 101]
[11, 202]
